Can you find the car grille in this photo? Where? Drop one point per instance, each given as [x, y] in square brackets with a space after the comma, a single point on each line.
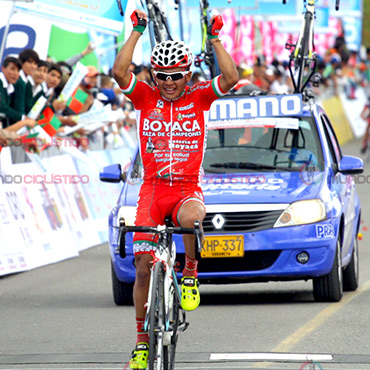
[252, 261]
[242, 221]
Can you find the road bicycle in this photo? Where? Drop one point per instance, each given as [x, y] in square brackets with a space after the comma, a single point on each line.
[165, 318]
[207, 54]
[157, 22]
[303, 59]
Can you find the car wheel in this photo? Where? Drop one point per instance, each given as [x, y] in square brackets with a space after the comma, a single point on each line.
[329, 288]
[122, 292]
[351, 272]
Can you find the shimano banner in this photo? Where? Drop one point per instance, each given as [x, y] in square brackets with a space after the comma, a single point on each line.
[259, 106]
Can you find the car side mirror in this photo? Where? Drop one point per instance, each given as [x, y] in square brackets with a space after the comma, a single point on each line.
[112, 173]
[350, 165]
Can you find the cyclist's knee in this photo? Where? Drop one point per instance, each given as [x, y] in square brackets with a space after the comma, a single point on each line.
[191, 212]
[143, 265]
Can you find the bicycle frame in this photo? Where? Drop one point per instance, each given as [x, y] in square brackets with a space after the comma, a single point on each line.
[207, 54]
[157, 23]
[303, 55]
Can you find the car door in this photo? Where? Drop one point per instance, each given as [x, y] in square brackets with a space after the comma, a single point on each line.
[343, 185]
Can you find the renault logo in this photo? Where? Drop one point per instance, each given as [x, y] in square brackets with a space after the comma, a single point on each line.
[218, 221]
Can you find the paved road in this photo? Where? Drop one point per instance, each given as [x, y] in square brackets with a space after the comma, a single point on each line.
[62, 317]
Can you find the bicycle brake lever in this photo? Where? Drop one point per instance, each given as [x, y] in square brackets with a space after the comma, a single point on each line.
[198, 234]
[122, 238]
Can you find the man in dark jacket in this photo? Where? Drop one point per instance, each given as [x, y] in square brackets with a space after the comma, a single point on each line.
[8, 77]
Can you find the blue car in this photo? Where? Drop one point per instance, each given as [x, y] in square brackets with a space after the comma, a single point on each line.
[281, 200]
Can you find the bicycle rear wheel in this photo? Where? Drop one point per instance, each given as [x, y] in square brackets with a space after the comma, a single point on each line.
[156, 319]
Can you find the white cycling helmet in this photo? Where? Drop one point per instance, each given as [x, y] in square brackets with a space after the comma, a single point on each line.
[171, 54]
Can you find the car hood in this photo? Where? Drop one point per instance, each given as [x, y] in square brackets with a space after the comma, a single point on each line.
[277, 187]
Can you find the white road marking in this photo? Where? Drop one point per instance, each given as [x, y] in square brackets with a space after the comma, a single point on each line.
[270, 357]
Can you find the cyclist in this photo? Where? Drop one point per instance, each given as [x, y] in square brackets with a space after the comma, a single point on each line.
[171, 122]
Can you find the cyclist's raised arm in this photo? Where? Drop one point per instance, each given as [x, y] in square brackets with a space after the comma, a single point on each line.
[229, 74]
[122, 63]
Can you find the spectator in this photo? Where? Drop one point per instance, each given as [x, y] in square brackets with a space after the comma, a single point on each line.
[10, 133]
[53, 78]
[90, 83]
[73, 60]
[29, 59]
[245, 84]
[36, 80]
[8, 77]
[108, 93]
[365, 115]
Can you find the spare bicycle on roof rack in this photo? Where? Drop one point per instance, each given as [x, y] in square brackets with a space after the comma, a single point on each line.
[157, 20]
[303, 59]
[207, 54]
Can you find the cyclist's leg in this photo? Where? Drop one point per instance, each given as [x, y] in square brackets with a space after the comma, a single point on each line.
[190, 210]
[142, 247]
[140, 354]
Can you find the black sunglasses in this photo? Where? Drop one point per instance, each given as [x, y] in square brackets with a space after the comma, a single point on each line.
[174, 76]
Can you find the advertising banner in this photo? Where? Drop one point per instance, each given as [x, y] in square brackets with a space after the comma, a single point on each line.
[252, 7]
[69, 192]
[51, 212]
[25, 32]
[100, 15]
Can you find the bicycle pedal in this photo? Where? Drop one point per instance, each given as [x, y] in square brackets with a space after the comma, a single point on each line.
[182, 327]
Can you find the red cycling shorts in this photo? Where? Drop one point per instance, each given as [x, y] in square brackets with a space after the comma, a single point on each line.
[156, 202]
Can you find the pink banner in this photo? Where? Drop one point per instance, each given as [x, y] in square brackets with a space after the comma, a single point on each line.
[228, 31]
[268, 33]
[245, 51]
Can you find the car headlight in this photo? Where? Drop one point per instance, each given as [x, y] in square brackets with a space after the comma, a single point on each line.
[128, 213]
[302, 212]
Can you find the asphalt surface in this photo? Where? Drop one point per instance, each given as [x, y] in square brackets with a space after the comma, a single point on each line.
[62, 316]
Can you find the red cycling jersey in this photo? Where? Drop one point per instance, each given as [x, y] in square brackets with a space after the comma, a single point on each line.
[172, 137]
[172, 133]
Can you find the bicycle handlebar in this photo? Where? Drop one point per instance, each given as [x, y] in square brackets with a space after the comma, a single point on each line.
[160, 229]
[336, 3]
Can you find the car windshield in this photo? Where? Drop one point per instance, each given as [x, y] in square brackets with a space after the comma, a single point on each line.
[260, 149]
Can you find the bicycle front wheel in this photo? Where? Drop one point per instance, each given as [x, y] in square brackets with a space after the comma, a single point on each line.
[156, 319]
[173, 333]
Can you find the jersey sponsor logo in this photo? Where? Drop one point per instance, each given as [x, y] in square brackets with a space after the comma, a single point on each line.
[160, 104]
[184, 144]
[262, 106]
[156, 114]
[199, 86]
[181, 116]
[186, 107]
[159, 126]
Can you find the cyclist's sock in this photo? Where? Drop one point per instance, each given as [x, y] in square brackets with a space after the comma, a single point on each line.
[191, 266]
[142, 336]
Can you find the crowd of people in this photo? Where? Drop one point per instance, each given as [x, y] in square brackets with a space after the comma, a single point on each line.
[26, 77]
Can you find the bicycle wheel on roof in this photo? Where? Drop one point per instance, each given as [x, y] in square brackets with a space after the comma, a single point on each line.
[157, 23]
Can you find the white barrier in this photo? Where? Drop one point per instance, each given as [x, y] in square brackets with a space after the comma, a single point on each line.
[51, 211]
